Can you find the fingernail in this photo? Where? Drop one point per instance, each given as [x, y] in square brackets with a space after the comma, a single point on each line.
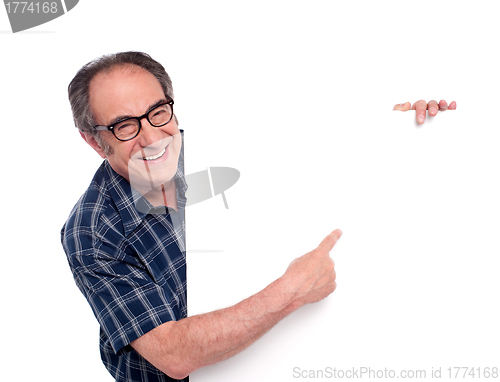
[421, 119]
[433, 110]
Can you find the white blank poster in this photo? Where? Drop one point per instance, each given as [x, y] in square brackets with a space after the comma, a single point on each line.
[417, 263]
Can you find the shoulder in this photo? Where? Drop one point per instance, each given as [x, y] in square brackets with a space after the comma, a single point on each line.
[92, 202]
[85, 217]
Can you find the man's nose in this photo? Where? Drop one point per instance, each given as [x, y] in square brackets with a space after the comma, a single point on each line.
[149, 136]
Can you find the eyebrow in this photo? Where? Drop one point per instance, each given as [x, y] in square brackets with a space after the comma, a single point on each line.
[124, 117]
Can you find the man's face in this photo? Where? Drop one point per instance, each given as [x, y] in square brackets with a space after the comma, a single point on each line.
[150, 159]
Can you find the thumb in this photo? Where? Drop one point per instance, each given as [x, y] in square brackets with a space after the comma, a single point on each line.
[402, 106]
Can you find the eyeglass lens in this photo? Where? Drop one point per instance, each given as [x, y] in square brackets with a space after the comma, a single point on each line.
[129, 128]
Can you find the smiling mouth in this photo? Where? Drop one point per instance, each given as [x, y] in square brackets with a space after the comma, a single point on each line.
[153, 157]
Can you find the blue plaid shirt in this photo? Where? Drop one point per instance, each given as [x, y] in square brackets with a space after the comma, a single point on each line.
[129, 262]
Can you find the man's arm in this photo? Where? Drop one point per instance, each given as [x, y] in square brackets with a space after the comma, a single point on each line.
[180, 347]
[421, 106]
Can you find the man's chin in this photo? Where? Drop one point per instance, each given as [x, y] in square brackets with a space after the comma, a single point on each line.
[150, 175]
[147, 181]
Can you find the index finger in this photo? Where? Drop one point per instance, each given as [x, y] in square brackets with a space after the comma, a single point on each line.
[420, 107]
[329, 241]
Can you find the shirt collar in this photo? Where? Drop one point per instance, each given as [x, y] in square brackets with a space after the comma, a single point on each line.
[133, 207]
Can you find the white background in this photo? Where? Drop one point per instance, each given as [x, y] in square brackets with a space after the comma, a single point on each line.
[299, 99]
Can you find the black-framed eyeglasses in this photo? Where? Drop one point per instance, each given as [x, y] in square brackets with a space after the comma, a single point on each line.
[129, 128]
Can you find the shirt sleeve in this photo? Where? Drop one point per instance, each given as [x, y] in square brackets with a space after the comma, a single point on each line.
[125, 299]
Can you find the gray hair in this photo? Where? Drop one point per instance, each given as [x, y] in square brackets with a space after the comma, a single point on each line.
[78, 89]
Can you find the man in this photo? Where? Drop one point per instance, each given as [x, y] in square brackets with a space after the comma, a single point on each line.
[124, 238]
[129, 262]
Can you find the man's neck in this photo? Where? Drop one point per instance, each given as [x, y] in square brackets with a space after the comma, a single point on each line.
[165, 195]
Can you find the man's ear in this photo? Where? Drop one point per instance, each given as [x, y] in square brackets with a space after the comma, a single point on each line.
[93, 143]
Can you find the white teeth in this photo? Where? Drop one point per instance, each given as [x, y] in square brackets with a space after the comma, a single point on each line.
[153, 157]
